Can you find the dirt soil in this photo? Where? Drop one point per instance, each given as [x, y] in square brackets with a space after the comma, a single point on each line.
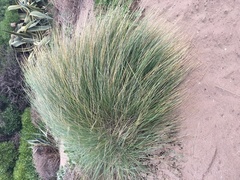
[211, 129]
[211, 112]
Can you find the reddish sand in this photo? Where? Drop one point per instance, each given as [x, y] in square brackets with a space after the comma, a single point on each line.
[211, 129]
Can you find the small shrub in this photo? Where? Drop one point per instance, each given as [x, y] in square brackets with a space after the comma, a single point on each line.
[4, 103]
[3, 6]
[8, 157]
[24, 168]
[110, 95]
[10, 120]
[5, 25]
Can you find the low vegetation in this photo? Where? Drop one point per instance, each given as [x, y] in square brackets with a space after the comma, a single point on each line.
[24, 168]
[8, 157]
[6, 18]
[11, 82]
[9, 117]
[110, 95]
[13, 97]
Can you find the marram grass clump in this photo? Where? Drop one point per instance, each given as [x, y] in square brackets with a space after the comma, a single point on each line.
[110, 94]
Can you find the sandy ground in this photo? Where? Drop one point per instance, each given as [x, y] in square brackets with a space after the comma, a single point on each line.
[211, 129]
[211, 112]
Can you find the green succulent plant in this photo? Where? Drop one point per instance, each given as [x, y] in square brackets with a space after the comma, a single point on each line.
[33, 27]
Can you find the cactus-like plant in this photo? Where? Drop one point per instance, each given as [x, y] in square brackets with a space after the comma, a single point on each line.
[33, 28]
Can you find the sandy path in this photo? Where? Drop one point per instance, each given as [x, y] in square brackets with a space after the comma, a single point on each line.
[211, 146]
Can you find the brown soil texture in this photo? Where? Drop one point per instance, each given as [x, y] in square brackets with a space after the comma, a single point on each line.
[211, 112]
[47, 161]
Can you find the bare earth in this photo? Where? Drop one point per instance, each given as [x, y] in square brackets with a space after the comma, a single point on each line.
[211, 112]
[211, 129]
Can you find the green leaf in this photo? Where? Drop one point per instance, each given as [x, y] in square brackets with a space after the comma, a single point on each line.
[19, 34]
[28, 40]
[34, 23]
[23, 29]
[17, 7]
[27, 19]
[33, 7]
[29, 25]
[39, 28]
[40, 15]
[17, 43]
[14, 7]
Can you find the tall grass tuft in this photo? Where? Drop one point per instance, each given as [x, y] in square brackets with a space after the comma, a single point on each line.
[110, 94]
